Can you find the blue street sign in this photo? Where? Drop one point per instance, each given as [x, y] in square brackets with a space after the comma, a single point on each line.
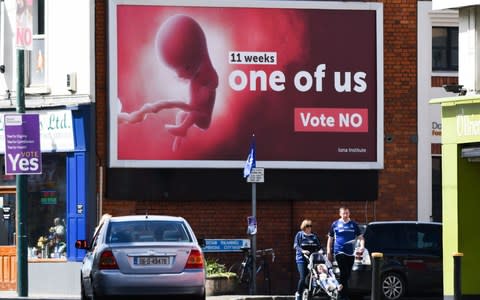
[225, 245]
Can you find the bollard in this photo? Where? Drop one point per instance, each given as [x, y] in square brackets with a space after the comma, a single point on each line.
[376, 277]
[457, 275]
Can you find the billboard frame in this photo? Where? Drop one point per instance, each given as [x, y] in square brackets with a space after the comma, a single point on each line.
[115, 162]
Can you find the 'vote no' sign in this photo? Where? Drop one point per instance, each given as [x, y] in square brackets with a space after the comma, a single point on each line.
[22, 144]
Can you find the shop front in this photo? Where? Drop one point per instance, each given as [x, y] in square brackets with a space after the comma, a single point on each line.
[57, 203]
[460, 190]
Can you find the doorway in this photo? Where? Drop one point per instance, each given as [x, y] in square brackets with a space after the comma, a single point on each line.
[8, 250]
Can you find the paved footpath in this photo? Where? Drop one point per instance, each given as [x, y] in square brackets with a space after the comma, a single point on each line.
[12, 295]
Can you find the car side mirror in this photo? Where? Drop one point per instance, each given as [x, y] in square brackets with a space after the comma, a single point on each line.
[201, 242]
[81, 244]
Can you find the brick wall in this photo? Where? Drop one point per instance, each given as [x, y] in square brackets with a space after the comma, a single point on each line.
[279, 220]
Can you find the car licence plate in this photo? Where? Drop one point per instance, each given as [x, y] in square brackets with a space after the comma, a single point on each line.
[151, 260]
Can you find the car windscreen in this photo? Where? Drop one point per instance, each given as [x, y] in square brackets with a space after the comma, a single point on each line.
[147, 231]
[404, 237]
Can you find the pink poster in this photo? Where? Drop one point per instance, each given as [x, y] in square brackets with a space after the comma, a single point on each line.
[190, 83]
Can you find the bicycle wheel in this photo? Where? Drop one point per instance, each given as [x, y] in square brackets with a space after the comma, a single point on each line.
[246, 273]
[267, 286]
[236, 268]
[243, 277]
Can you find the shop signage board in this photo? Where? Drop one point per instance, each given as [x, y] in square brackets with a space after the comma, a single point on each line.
[22, 144]
[56, 131]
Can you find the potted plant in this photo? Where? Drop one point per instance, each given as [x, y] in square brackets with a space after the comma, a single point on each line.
[219, 280]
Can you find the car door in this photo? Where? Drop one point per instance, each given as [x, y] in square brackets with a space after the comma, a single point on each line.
[424, 262]
[87, 263]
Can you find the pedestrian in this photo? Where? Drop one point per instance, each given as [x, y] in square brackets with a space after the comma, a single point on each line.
[305, 235]
[342, 236]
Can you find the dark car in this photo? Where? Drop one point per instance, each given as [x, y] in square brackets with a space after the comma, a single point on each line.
[412, 259]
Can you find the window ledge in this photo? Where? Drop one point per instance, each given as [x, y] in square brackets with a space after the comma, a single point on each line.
[444, 74]
[37, 90]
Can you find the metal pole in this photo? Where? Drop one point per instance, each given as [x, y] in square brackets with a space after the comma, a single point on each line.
[457, 275]
[254, 240]
[21, 181]
[376, 267]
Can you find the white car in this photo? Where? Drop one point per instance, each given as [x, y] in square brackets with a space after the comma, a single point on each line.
[143, 256]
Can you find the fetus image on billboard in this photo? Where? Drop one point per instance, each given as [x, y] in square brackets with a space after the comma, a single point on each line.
[190, 84]
[181, 45]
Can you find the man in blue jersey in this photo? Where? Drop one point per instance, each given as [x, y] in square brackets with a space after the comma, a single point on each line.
[341, 236]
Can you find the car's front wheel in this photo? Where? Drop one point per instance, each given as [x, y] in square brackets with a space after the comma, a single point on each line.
[393, 286]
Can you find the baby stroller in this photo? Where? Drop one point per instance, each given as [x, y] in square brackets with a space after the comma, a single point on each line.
[320, 279]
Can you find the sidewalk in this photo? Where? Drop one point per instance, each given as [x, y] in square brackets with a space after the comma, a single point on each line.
[12, 295]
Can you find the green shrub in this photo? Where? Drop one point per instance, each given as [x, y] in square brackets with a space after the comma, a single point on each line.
[215, 269]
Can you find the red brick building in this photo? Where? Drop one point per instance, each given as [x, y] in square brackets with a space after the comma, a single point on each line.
[216, 208]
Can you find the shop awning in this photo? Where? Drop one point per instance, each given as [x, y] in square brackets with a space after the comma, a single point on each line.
[451, 101]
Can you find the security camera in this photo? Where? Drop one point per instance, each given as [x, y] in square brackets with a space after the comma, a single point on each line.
[455, 88]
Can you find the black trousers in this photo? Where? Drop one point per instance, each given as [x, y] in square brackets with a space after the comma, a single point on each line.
[345, 264]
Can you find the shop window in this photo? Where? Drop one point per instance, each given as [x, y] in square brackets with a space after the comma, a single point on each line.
[445, 48]
[47, 209]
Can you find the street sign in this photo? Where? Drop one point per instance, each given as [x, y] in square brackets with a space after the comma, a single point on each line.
[22, 144]
[225, 245]
[257, 175]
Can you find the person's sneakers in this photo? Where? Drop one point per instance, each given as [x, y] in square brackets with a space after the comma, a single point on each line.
[298, 296]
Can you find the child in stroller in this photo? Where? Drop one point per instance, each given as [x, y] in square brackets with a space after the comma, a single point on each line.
[321, 278]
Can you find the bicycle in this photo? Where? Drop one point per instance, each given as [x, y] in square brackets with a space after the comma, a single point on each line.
[244, 269]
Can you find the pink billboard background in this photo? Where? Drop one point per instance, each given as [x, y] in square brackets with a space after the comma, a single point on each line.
[192, 84]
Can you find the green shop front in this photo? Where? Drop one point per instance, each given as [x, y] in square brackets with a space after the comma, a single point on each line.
[461, 194]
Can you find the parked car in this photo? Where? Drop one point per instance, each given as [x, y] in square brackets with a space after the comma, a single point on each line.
[143, 256]
[412, 259]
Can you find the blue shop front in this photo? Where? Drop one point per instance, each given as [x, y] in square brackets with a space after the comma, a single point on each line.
[59, 201]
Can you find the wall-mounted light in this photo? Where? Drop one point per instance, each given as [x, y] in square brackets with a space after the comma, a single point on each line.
[2, 69]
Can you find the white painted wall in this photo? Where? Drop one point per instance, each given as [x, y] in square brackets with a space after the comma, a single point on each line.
[69, 37]
[427, 114]
[443, 4]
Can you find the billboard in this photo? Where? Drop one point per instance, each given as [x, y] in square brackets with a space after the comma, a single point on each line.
[191, 81]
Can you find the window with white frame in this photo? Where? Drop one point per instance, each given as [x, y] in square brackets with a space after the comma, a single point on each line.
[445, 48]
[35, 59]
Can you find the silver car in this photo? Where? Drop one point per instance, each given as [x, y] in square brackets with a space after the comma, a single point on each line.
[143, 256]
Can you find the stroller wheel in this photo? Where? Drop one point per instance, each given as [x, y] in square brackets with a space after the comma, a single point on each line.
[334, 296]
[307, 295]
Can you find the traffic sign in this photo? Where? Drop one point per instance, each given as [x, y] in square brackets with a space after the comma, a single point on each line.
[257, 175]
